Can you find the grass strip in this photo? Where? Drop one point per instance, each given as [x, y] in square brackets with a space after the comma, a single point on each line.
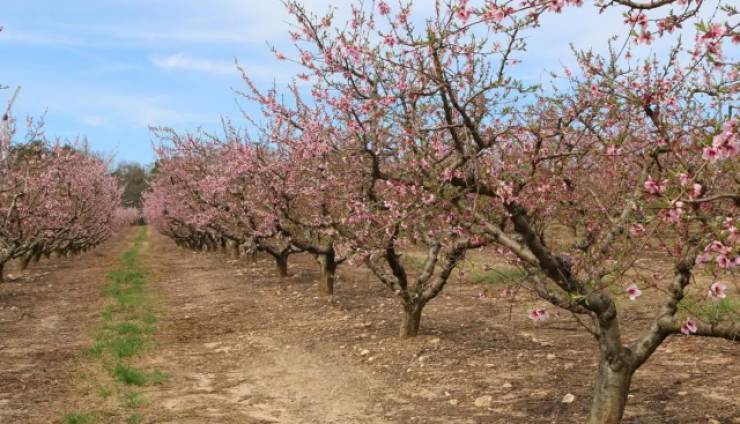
[128, 322]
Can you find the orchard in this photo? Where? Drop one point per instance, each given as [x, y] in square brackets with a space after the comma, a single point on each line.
[409, 147]
[55, 197]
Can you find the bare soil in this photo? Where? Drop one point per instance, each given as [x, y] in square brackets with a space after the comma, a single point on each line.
[46, 314]
[242, 345]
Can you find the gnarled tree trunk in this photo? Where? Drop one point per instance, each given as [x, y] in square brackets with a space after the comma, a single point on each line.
[617, 364]
[328, 273]
[610, 392]
[411, 320]
[281, 261]
[232, 249]
[26, 260]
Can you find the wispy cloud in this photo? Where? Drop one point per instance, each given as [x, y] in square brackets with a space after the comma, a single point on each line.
[184, 62]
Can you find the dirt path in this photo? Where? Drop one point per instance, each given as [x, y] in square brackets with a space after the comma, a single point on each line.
[244, 346]
[46, 314]
[241, 345]
[228, 343]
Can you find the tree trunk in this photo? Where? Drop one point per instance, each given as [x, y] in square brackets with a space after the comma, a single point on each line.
[2, 274]
[411, 321]
[25, 261]
[328, 273]
[282, 264]
[610, 393]
[232, 249]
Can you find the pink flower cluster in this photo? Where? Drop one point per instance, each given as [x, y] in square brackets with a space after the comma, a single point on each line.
[726, 144]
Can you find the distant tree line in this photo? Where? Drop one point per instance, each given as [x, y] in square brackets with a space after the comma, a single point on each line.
[134, 179]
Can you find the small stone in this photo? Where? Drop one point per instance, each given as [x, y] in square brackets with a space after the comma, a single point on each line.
[569, 398]
[454, 402]
[507, 385]
[483, 401]
[682, 393]
[364, 352]
[550, 356]
[434, 341]
[713, 421]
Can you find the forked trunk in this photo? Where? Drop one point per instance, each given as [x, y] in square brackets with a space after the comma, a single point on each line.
[610, 394]
[328, 274]
[282, 264]
[411, 321]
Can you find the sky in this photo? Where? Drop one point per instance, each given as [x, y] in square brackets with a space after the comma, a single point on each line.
[108, 69]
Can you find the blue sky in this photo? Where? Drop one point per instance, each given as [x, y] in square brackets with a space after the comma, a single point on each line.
[107, 69]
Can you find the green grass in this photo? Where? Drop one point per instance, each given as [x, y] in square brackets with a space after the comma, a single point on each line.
[127, 323]
[497, 275]
[713, 312]
[96, 351]
[126, 328]
[104, 392]
[134, 419]
[132, 400]
[126, 346]
[158, 377]
[81, 418]
[150, 318]
[129, 375]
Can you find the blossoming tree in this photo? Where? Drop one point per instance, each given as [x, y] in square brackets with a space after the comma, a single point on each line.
[521, 163]
[54, 197]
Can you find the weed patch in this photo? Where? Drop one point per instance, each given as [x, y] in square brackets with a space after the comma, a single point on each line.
[127, 323]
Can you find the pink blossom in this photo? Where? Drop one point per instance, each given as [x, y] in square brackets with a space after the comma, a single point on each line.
[633, 291]
[703, 258]
[717, 291]
[718, 247]
[557, 5]
[636, 230]
[697, 189]
[494, 14]
[645, 37]
[538, 314]
[724, 262]
[654, 187]
[674, 214]
[463, 12]
[715, 31]
[384, 8]
[689, 327]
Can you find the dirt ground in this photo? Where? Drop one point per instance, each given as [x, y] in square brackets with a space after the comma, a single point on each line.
[242, 345]
[46, 314]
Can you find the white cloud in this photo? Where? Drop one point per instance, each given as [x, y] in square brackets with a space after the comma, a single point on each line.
[184, 62]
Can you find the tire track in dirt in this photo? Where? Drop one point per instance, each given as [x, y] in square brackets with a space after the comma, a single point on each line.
[45, 317]
[228, 349]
